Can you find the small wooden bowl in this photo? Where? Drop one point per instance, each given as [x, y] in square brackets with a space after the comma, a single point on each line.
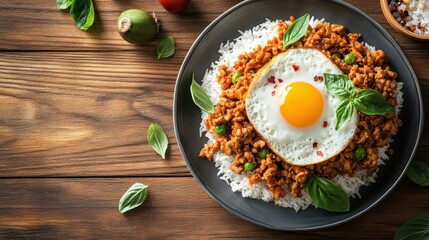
[392, 21]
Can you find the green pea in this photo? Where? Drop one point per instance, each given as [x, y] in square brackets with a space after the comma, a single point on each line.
[360, 153]
[338, 55]
[263, 152]
[221, 129]
[235, 76]
[350, 58]
[249, 166]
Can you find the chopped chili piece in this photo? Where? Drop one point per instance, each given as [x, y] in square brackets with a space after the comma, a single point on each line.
[318, 78]
[271, 79]
[273, 93]
[319, 153]
[295, 67]
[280, 80]
[315, 145]
[325, 124]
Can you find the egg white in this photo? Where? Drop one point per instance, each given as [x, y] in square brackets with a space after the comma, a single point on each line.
[297, 145]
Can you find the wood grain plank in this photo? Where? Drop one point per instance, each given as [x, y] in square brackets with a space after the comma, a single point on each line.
[40, 26]
[176, 208]
[68, 114]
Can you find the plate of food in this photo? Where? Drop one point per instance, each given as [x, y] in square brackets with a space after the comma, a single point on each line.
[297, 115]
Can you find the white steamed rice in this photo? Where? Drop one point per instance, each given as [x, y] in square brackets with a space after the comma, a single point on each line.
[229, 51]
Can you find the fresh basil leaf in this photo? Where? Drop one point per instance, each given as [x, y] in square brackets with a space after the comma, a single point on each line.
[133, 197]
[200, 97]
[83, 13]
[296, 30]
[419, 173]
[339, 85]
[371, 102]
[326, 195]
[165, 48]
[157, 139]
[416, 228]
[64, 4]
[344, 112]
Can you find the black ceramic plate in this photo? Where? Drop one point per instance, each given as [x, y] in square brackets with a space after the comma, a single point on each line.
[187, 116]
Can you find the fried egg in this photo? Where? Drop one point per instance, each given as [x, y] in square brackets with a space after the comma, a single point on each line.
[291, 109]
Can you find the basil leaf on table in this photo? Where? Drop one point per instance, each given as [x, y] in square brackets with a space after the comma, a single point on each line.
[200, 97]
[166, 47]
[133, 197]
[64, 4]
[157, 139]
[416, 228]
[83, 13]
[296, 30]
[339, 85]
[343, 112]
[419, 173]
[371, 102]
[326, 195]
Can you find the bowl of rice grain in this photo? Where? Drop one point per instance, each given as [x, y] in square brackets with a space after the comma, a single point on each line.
[410, 17]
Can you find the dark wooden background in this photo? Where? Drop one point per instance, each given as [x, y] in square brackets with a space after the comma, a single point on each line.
[74, 109]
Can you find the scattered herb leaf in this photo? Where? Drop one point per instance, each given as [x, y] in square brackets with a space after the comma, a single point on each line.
[200, 97]
[157, 139]
[419, 173]
[83, 13]
[416, 228]
[296, 30]
[64, 4]
[326, 195]
[166, 47]
[339, 85]
[343, 112]
[371, 102]
[133, 197]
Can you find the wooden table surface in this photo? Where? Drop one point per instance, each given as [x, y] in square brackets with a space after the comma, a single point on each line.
[74, 110]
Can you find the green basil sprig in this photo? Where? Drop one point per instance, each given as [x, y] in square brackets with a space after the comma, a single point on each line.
[296, 30]
[416, 228]
[371, 102]
[64, 4]
[326, 195]
[419, 173]
[367, 101]
[133, 197]
[157, 139]
[82, 12]
[200, 97]
[166, 47]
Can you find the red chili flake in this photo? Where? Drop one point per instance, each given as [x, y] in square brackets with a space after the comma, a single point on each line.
[275, 86]
[325, 124]
[295, 67]
[272, 79]
[319, 153]
[280, 80]
[315, 145]
[273, 93]
[318, 78]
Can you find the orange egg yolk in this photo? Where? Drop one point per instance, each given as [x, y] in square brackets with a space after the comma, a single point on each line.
[302, 105]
